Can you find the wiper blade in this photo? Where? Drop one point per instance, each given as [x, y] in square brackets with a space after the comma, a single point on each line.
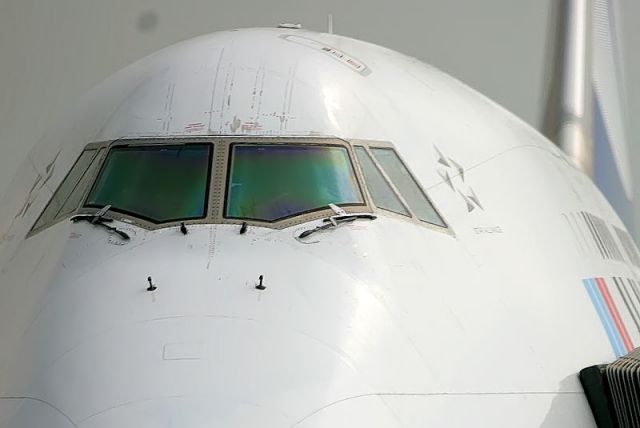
[94, 218]
[325, 226]
[99, 220]
[335, 220]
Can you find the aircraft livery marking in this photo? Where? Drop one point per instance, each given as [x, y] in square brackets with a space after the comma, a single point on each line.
[631, 296]
[629, 247]
[602, 237]
[609, 316]
[340, 56]
[591, 232]
[452, 173]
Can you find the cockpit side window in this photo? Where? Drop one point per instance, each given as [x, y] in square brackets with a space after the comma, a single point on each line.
[408, 187]
[62, 199]
[381, 192]
[271, 182]
[159, 183]
[75, 199]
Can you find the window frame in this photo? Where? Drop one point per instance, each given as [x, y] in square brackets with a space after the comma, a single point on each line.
[219, 169]
[384, 176]
[143, 217]
[222, 170]
[84, 181]
[370, 144]
[350, 156]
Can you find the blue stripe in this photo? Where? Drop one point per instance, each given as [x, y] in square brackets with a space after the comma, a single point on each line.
[610, 325]
[605, 316]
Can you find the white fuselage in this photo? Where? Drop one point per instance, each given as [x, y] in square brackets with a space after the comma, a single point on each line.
[376, 323]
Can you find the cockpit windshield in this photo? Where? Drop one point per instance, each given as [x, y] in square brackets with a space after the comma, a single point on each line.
[157, 183]
[272, 182]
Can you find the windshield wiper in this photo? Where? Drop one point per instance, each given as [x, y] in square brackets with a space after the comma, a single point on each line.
[99, 220]
[340, 217]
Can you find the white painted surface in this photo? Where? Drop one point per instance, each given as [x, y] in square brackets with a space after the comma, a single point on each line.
[382, 322]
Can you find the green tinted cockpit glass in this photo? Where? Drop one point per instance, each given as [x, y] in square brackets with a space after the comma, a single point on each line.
[406, 185]
[272, 182]
[158, 183]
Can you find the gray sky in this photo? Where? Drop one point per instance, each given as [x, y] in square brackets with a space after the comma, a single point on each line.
[51, 52]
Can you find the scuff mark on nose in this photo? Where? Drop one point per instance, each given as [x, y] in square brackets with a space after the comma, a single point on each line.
[235, 124]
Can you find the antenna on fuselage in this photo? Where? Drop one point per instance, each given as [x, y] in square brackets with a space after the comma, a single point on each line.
[330, 23]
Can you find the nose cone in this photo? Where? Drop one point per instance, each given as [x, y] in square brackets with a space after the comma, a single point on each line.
[207, 348]
[245, 374]
[202, 372]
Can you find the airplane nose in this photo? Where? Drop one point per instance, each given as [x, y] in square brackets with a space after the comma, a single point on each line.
[206, 347]
[193, 372]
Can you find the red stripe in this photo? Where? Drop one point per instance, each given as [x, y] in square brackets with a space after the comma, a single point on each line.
[614, 314]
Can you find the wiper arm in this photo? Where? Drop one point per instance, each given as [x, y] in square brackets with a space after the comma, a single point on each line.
[335, 220]
[99, 220]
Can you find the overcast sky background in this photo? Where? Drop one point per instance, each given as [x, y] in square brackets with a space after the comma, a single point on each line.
[52, 51]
